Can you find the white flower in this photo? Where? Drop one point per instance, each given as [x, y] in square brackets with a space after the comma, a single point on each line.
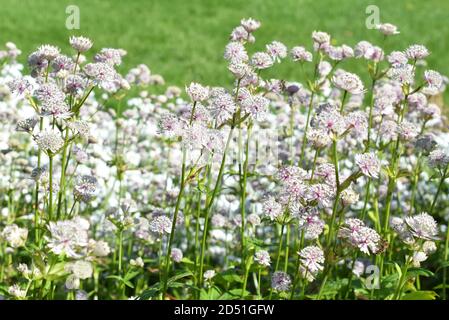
[15, 236]
[209, 274]
[262, 257]
[369, 164]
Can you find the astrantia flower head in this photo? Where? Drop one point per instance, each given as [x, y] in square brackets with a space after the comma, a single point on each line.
[176, 255]
[272, 209]
[261, 60]
[416, 52]
[253, 219]
[387, 29]
[369, 164]
[80, 44]
[20, 87]
[161, 225]
[235, 52]
[56, 109]
[49, 141]
[110, 56]
[280, 281]
[301, 54]
[14, 235]
[319, 138]
[277, 50]
[197, 92]
[347, 81]
[438, 158]
[340, 53]
[209, 274]
[250, 24]
[262, 257]
[422, 226]
[321, 40]
[240, 34]
[322, 193]
[80, 128]
[85, 188]
[397, 59]
[256, 106]
[311, 259]
[100, 71]
[433, 79]
[407, 130]
[49, 92]
[363, 49]
[239, 69]
[309, 221]
[404, 74]
[349, 196]
[48, 52]
[81, 269]
[16, 291]
[330, 121]
[26, 125]
[358, 235]
[222, 107]
[68, 237]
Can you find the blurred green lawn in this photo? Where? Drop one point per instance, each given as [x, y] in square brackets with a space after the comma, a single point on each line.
[184, 39]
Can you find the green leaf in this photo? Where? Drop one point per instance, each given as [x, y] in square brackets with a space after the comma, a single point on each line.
[210, 294]
[413, 272]
[230, 276]
[179, 276]
[398, 269]
[55, 272]
[151, 292]
[129, 275]
[124, 281]
[420, 295]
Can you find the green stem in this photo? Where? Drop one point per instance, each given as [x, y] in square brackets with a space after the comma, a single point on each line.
[211, 202]
[50, 196]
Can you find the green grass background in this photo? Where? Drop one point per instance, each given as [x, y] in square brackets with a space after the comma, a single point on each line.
[184, 39]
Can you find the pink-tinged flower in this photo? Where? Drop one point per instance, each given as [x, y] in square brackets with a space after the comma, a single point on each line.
[312, 259]
[321, 40]
[387, 29]
[80, 44]
[300, 54]
[433, 79]
[404, 74]
[235, 52]
[347, 81]
[262, 257]
[272, 209]
[397, 59]
[422, 226]
[360, 236]
[250, 24]
[280, 281]
[321, 193]
[416, 52]
[176, 255]
[369, 164]
[261, 60]
[438, 158]
[277, 50]
[197, 92]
